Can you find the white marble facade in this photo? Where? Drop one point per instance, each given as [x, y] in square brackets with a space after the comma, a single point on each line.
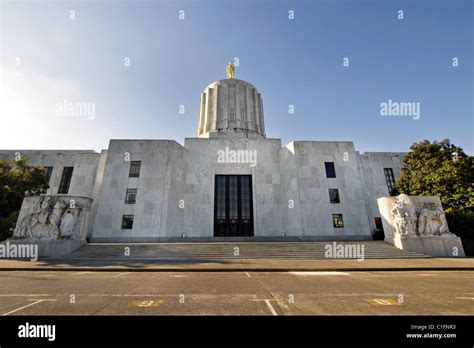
[175, 185]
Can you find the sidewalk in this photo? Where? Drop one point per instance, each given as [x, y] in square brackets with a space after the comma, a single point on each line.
[240, 265]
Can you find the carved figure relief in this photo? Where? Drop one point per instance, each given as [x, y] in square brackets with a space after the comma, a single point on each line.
[432, 222]
[424, 221]
[53, 219]
[403, 217]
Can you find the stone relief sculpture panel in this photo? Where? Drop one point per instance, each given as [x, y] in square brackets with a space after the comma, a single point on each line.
[432, 222]
[418, 223]
[418, 219]
[403, 215]
[52, 218]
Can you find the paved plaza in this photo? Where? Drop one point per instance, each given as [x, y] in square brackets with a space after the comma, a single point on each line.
[236, 293]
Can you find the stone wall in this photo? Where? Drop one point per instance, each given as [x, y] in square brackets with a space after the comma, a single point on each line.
[175, 189]
[372, 166]
[305, 182]
[155, 211]
[85, 163]
[203, 166]
[86, 176]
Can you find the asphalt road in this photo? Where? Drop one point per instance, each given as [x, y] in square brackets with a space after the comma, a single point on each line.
[237, 293]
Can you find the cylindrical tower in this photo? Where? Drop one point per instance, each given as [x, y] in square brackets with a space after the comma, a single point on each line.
[231, 108]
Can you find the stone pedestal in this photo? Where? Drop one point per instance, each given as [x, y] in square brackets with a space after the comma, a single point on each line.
[437, 246]
[417, 223]
[443, 246]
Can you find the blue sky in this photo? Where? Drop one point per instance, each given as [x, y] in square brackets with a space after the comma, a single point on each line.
[47, 58]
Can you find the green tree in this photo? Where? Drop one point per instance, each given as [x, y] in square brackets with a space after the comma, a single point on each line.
[442, 169]
[17, 177]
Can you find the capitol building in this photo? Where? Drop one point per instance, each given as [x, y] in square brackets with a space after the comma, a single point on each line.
[231, 180]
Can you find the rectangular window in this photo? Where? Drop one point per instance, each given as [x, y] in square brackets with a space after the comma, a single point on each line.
[65, 180]
[378, 224]
[390, 179]
[337, 221]
[135, 169]
[334, 196]
[131, 196]
[330, 170]
[127, 222]
[49, 171]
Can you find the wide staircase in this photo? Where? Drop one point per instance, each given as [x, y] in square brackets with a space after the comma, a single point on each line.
[237, 250]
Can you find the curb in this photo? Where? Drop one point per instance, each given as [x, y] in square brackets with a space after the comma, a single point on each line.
[275, 270]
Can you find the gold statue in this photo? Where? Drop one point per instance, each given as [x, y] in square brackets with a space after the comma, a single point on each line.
[230, 70]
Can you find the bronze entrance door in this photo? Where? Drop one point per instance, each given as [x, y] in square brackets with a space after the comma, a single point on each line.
[233, 209]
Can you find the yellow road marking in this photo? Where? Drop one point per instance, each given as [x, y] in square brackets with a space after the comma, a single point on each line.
[324, 273]
[384, 302]
[146, 303]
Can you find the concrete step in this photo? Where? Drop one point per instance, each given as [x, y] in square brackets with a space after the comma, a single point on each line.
[247, 250]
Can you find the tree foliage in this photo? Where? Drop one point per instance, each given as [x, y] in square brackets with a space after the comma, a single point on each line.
[17, 177]
[442, 169]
